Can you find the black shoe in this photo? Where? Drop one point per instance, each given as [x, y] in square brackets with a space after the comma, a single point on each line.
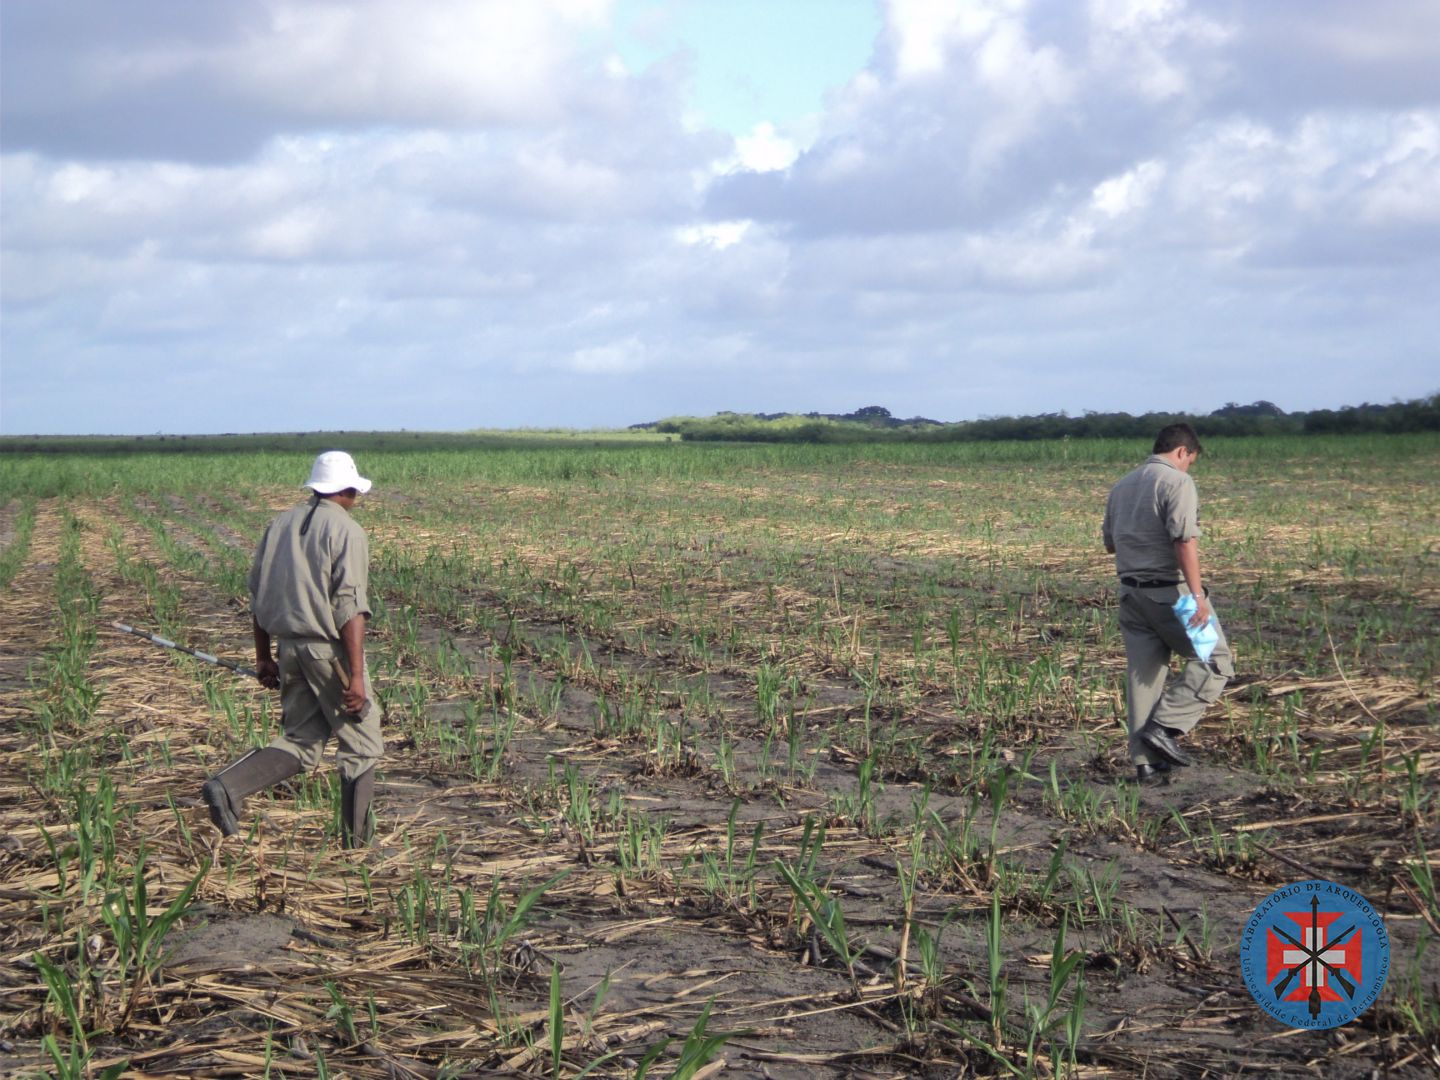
[1153, 774]
[221, 812]
[1160, 740]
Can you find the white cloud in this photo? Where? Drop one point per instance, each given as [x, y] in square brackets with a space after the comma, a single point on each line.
[217, 80]
[1404, 184]
[719, 234]
[294, 234]
[557, 179]
[464, 61]
[765, 149]
[616, 358]
[478, 192]
[1131, 191]
[80, 183]
[922, 32]
[1158, 48]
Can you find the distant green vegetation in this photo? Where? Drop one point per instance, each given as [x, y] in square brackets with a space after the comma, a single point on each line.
[875, 424]
[313, 442]
[870, 425]
[427, 462]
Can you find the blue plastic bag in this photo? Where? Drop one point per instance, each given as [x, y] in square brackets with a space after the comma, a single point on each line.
[1202, 638]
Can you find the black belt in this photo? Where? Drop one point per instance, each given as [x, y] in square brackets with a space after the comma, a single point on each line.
[1142, 583]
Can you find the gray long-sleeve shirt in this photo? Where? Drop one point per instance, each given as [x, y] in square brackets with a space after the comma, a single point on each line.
[1147, 512]
[310, 586]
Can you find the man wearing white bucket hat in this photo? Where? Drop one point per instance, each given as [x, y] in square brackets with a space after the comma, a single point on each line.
[308, 590]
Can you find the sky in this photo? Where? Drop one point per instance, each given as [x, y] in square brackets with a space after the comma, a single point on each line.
[286, 215]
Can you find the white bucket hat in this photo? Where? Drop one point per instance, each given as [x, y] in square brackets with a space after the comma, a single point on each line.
[335, 471]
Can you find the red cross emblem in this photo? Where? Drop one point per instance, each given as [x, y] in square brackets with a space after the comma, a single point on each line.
[1313, 960]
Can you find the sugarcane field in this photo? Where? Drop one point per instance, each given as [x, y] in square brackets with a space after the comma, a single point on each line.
[774, 761]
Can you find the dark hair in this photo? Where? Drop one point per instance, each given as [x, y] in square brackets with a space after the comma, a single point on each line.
[1175, 435]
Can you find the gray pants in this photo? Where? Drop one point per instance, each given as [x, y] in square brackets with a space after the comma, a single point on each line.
[310, 697]
[1152, 634]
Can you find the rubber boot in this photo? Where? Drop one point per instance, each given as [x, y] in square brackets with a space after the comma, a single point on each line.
[224, 793]
[355, 798]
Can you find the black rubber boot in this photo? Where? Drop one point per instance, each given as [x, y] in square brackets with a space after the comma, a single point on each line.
[355, 799]
[224, 793]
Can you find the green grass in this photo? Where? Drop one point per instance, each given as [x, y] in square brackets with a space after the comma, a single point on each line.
[916, 618]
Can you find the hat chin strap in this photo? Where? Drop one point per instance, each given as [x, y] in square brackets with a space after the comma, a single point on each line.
[314, 505]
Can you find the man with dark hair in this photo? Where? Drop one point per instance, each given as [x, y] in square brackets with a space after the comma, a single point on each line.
[1152, 528]
[309, 595]
[1173, 436]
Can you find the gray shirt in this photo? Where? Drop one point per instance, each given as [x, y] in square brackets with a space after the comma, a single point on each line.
[310, 586]
[1147, 512]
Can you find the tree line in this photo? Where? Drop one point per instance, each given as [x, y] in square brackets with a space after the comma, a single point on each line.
[874, 424]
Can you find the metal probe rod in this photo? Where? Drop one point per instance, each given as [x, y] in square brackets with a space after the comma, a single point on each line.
[166, 643]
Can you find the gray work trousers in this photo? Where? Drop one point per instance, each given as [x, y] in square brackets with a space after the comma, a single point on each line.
[1173, 699]
[310, 693]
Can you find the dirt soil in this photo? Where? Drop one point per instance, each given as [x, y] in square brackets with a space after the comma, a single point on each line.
[301, 958]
